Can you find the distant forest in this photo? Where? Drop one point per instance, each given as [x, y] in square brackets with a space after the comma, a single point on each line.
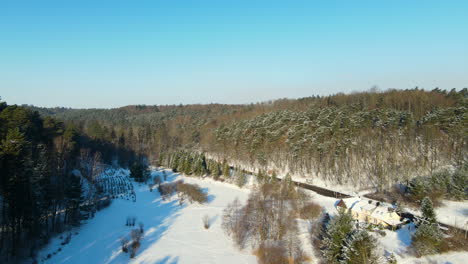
[368, 138]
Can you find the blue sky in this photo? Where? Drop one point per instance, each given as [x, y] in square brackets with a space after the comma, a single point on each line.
[115, 53]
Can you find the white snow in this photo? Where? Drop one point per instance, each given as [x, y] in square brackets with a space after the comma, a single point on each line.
[173, 234]
[452, 213]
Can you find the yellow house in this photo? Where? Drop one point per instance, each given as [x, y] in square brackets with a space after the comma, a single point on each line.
[372, 212]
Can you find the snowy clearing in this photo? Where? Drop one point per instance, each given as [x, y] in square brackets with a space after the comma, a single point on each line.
[173, 234]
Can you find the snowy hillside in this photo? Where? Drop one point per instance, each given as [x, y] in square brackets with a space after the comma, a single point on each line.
[173, 234]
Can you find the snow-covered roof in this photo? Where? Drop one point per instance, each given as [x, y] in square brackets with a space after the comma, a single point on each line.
[376, 209]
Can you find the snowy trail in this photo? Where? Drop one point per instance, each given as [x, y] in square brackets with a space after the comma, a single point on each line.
[173, 234]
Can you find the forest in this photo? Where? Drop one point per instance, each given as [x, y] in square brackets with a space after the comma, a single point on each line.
[367, 139]
[42, 163]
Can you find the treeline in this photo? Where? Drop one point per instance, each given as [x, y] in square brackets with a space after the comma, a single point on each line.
[369, 138]
[358, 142]
[43, 164]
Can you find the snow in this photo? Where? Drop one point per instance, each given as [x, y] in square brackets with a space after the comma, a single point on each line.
[397, 242]
[454, 213]
[173, 234]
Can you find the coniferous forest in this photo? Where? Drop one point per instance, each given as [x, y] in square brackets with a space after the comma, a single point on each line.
[42, 161]
[368, 139]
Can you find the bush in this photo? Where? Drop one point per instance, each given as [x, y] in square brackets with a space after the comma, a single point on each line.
[192, 192]
[166, 190]
[130, 221]
[271, 254]
[136, 236]
[140, 227]
[156, 180]
[134, 248]
[206, 221]
[124, 244]
[240, 178]
[310, 211]
[427, 240]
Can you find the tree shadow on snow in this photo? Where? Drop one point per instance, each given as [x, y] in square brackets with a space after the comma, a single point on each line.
[99, 239]
[168, 260]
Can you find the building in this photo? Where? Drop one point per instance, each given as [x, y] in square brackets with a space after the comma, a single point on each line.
[372, 212]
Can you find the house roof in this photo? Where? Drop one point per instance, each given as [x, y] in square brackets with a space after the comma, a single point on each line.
[376, 209]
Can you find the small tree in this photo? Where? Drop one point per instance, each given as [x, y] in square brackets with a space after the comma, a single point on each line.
[226, 170]
[427, 239]
[427, 210]
[124, 244]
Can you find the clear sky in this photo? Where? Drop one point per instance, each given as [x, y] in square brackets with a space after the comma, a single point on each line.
[114, 53]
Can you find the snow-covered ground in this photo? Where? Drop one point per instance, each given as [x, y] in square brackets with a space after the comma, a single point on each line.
[173, 234]
[452, 213]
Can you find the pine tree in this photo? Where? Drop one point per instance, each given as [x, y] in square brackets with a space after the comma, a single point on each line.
[459, 185]
[359, 248]
[226, 170]
[337, 230]
[427, 239]
[417, 188]
[427, 210]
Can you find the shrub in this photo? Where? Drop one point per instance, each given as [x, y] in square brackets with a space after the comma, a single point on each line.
[124, 244]
[240, 178]
[136, 236]
[156, 180]
[134, 248]
[130, 221]
[427, 240]
[140, 226]
[206, 221]
[166, 190]
[310, 211]
[271, 254]
[192, 192]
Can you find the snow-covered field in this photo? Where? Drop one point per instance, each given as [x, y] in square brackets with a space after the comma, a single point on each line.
[173, 234]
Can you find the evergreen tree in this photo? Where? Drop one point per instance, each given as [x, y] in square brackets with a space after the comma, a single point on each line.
[417, 188]
[427, 210]
[459, 185]
[226, 170]
[427, 239]
[139, 171]
[336, 232]
[359, 248]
